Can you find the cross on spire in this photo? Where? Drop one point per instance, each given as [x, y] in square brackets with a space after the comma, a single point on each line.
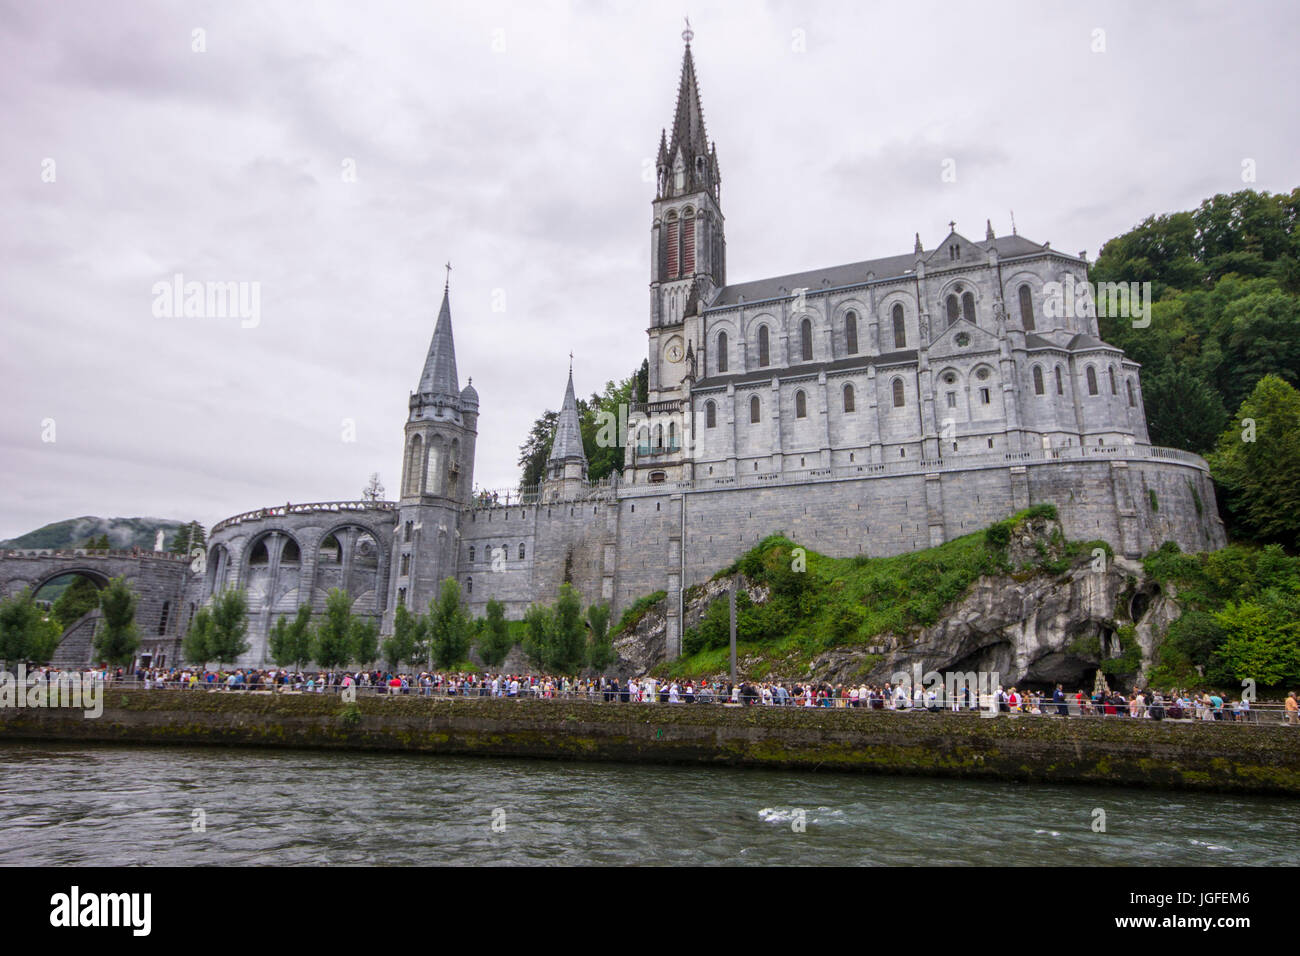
[688, 34]
[570, 362]
[447, 285]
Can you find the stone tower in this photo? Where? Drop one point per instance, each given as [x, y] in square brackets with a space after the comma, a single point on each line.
[688, 248]
[437, 474]
[566, 468]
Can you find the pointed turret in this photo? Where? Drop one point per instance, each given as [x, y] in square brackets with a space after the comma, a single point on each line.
[988, 229]
[567, 446]
[439, 376]
[917, 247]
[566, 468]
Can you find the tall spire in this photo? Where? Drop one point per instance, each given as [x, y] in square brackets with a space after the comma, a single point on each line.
[439, 376]
[688, 120]
[567, 446]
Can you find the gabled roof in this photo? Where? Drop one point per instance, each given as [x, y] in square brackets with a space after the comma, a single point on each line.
[439, 376]
[834, 276]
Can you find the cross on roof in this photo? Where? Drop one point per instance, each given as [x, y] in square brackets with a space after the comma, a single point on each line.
[952, 225]
[447, 284]
[688, 34]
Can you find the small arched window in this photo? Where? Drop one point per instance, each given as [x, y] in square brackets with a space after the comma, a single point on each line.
[848, 398]
[672, 436]
[1131, 400]
[1026, 308]
[1060, 384]
[1038, 380]
[764, 350]
[954, 309]
[710, 414]
[1113, 390]
[898, 393]
[851, 332]
[659, 436]
[469, 585]
[968, 307]
[900, 329]
[406, 564]
[722, 351]
[805, 340]
[755, 410]
[1092, 380]
[521, 551]
[800, 404]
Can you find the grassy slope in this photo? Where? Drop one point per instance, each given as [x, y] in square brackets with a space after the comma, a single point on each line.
[851, 602]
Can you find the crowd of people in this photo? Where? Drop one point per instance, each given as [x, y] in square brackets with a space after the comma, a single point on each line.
[904, 696]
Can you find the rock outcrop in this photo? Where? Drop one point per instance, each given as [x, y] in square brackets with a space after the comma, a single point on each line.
[1056, 620]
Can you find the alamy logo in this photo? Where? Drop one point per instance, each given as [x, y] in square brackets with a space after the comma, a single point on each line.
[176, 299]
[1116, 300]
[76, 909]
[74, 691]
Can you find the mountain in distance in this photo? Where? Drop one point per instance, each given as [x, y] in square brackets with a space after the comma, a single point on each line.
[123, 533]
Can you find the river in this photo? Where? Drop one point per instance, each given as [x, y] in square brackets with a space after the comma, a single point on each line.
[92, 805]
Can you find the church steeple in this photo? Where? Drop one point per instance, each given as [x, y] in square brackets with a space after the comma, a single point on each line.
[439, 376]
[566, 467]
[690, 162]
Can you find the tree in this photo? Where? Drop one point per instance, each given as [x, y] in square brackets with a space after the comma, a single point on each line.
[332, 643]
[1257, 464]
[229, 626]
[363, 640]
[600, 650]
[118, 636]
[448, 626]
[1182, 410]
[537, 634]
[25, 633]
[495, 643]
[194, 646]
[404, 644]
[187, 538]
[1262, 639]
[374, 489]
[569, 633]
[535, 449]
[291, 643]
[78, 598]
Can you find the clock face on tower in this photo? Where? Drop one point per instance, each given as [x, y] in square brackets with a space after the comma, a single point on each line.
[673, 351]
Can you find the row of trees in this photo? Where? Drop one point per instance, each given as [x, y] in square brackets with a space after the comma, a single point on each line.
[562, 639]
[27, 633]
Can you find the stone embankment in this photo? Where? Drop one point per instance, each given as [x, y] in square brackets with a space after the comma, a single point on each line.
[1203, 756]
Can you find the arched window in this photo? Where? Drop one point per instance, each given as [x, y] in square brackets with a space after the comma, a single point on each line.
[851, 332]
[688, 242]
[800, 404]
[898, 393]
[722, 351]
[848, 398]
[1060, 385]
[764, 352]
[1026, 308]
[162, 620]
[755, 410]
[413, 463]
[900, 329]
[469, 585]
[1092, 380]
[968, 307]
[521, 550]
[710, 414]
[405, 563]
[670, 268]
[672, 436]
[805, 340]
[1111, 371]
[954, 309]
[1038, 380]
[659, 437]
[1131, 400]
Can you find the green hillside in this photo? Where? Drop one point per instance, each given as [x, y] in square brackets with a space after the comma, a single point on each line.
[123, 533]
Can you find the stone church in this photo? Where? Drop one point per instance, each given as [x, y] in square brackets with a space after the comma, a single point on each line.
[876, 407]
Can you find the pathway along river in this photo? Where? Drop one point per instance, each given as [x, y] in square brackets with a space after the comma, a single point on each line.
[91, 805]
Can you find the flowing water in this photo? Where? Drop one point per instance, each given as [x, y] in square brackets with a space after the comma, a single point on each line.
[91, 805]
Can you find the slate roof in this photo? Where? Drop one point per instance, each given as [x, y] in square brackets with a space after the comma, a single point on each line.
[568, 432]
[439, 376]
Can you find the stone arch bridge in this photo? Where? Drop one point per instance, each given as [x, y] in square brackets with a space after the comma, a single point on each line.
[164, 582]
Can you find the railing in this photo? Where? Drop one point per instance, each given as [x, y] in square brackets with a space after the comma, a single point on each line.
[531, 495]
[90, 553]
[280, 511]
[915, 466]
[981, 705]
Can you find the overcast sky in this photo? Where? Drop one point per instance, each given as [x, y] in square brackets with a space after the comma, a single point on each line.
[511, 139]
